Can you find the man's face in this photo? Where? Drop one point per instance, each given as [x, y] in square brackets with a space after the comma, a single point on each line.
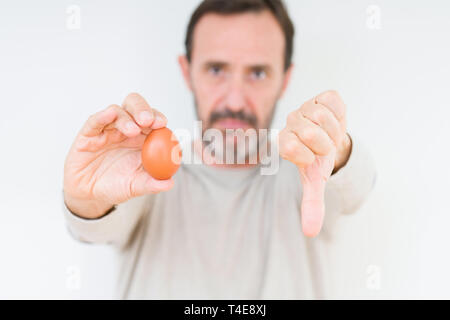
[237, 69]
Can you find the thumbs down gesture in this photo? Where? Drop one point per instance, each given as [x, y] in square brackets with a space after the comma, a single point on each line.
[315, 139]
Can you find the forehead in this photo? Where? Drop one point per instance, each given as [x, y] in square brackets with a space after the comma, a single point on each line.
[247, 38]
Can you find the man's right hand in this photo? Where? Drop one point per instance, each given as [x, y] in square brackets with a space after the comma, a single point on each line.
[104, 167]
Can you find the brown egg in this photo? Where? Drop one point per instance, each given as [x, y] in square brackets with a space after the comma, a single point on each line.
[161, 154]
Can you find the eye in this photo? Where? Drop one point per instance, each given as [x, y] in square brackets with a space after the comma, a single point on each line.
[215, 70]
[258, 74]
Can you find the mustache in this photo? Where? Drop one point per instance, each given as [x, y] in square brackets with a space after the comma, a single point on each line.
[239, 115]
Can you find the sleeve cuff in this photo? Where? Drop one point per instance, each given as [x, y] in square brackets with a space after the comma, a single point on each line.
[113, 227]
[354, 180]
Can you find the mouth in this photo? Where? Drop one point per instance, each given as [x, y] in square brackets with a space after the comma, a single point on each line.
[231, 123]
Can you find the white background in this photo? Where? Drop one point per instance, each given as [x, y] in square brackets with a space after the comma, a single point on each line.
[395, 81]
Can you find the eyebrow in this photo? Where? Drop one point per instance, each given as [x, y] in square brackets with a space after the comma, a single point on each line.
[221, 64]
[264, 67]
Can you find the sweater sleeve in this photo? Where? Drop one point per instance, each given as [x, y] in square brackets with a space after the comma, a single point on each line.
[347, 189]
[114, 228]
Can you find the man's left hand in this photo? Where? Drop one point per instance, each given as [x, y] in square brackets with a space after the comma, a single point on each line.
[315, 139]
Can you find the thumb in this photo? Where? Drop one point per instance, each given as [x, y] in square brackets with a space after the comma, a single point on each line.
[313, 207]
[143, 184]
[314, 178]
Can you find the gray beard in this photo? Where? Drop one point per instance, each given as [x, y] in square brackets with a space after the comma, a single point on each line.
[242, 152]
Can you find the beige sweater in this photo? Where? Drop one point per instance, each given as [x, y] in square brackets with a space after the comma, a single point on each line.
[226, 233]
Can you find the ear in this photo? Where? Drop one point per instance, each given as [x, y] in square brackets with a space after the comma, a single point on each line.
[185, 70]
[286, 79]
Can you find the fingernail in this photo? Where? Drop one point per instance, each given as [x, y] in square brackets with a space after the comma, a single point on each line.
[145, 116]
[161, 118]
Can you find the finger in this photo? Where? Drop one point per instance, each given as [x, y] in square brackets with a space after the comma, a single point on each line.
[139, 109]
[310, 134]
[96, 123]
[160, 120]
[293, 150]
[322, 116]
[333, 101]
[124, 123]
[143, 114]
[313, 204]
[314, 178]
[145, 184]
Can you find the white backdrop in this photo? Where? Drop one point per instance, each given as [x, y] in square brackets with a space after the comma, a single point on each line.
[388, 59]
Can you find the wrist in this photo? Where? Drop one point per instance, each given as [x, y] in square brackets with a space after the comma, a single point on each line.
[87, 209]
[343, 153]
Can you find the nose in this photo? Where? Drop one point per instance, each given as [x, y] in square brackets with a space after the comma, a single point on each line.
[235, 96]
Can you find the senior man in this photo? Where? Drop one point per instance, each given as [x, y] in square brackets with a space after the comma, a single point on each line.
[221, 230]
